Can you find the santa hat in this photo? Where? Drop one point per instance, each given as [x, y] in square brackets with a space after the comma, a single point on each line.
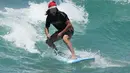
[52, 4]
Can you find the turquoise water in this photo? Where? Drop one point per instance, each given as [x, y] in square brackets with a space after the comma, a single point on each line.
[101, 31]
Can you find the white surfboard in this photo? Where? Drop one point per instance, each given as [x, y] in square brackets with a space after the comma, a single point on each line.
[80, 60]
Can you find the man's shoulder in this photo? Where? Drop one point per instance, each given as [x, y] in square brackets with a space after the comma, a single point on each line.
[63, 13]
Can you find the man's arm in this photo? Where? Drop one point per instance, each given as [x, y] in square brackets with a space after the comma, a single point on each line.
[46, 29]
[67, 22]
[69, 25]
[47, 32]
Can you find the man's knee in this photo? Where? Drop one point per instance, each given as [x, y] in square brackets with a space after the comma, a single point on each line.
[49, 42]
[65, 38]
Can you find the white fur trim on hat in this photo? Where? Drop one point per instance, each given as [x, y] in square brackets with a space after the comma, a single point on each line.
[52, 7]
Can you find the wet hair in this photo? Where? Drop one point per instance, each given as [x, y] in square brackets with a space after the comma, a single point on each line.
[48, 11]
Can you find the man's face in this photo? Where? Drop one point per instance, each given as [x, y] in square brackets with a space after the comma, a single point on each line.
[53, 11]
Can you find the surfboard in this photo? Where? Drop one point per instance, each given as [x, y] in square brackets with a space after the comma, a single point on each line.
[66, 58]
[80, 60]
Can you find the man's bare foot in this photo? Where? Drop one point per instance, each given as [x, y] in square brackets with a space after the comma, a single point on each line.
[73, 57]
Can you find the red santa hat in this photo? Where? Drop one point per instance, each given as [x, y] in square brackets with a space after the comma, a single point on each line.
[52, 4]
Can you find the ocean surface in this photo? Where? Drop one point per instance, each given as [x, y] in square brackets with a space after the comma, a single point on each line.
[102, 31]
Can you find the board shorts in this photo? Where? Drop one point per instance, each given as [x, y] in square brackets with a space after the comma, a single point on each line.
[70, 32]
[54, 38]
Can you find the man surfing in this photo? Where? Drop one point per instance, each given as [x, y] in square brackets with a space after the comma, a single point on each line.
[63, 25]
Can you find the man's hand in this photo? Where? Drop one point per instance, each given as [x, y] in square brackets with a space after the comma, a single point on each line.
[59, 34]
[48, 36]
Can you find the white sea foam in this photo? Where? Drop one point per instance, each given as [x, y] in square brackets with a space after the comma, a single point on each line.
[122, 1]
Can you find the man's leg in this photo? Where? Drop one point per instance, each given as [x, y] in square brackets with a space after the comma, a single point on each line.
[52, 39]
[66, 39]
